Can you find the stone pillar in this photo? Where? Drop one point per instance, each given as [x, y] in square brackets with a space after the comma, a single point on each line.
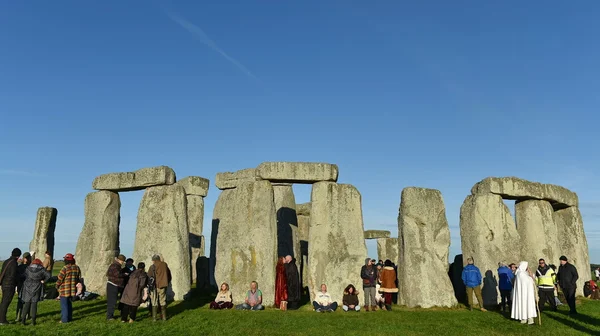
[43, 234]
[98, 242]
[288, 242]
[488, 234]
[387, 248]
[537, 230]
[163, 229]
[424, 235]
[303, 213]
[337, 249]
[245, 250]
[572, 242]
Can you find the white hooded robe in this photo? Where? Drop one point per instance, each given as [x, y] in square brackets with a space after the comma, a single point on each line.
[523, 295]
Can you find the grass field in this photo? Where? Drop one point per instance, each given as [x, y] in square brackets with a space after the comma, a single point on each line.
[194, 317]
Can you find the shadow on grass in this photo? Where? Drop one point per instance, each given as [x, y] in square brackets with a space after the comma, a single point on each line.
[197, 298]
[582, 318]
[572, 324]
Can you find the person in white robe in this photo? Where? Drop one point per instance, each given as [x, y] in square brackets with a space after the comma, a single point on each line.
[523, 295]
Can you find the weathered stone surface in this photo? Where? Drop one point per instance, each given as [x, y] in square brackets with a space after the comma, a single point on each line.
[572, 242]
[246, 241]
[195, 215]
[387, 248]
[163, 229]
[489, 235]
[536, 227]
[297, 172]
[195, 185]
[288, 241]
[375, 234]
[137, 180]
[514, 188]
[230, 180]
[425, 239]
[337, 249]
[303, 214]
[43, 234]
[98, 242]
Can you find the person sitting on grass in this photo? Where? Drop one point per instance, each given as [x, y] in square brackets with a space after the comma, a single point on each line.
[253, 298]
[223, 299]
[350, 299]
[323, 302]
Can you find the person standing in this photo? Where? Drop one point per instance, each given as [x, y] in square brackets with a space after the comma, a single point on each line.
[567, 279]
[471, 277]
[160, 272]
[597, 273]
[369, 276]
[9, 278]
[505, 284]
[134, 293]
[21, 274]
[523, 297]
[292, 277]
[281, 292]
[545, 278]
[67, 281]
[35, 277]
[114, 283]
[388, 283]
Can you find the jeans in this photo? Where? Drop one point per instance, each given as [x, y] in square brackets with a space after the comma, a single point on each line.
[370, 294]
[245, 306]
[570, 297]
[128, 311]
[7, 296]
[477, 291]
[112, 294]
[332, 306]
[66, 309]
[29, 308]
[346, 308]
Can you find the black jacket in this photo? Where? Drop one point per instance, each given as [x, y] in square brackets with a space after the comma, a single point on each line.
[9, 269]
[567, 276]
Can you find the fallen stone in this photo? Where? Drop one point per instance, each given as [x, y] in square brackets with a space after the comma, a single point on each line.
[297, 172]
[572, 243]
[375, 234]
[98, 242]
[425, 239]
[43, 234]
[163, 229]
[137, 180]
[536, 227]
[230, 180]
[489, 235]
[195, 215]
[337, 249]
[514, 188]
[195, 185]
[245, 222]
[387, 248]
[303, 214]
[288, 242]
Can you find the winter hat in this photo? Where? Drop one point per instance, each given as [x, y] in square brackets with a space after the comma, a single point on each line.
[563, 258]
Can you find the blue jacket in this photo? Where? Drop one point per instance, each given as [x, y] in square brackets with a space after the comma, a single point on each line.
[471, 276]
[505, 277]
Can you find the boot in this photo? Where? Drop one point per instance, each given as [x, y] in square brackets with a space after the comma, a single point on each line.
[374, 308]
[366, 308]
[388, 307]
[154, 313]
[164, 313]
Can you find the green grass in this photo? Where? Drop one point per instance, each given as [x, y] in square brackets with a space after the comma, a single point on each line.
[194, 317]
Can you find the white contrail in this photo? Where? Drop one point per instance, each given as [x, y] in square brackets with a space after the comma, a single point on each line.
[200, 34]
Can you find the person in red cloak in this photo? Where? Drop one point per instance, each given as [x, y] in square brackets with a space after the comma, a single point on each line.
[281, 292]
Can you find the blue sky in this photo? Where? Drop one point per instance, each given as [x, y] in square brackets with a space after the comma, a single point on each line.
[433, 94]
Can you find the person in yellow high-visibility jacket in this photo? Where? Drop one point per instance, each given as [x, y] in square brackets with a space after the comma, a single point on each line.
[545, 279]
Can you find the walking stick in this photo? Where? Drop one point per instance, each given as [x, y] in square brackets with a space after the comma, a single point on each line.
[537, 307]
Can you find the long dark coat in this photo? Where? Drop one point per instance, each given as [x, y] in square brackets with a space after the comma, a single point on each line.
[293, 281]
[134, 291]
[32, 287]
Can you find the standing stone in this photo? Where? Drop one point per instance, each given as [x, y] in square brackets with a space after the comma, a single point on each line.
[337, 249]
[303, 214]
[488, 234]
[231, 180]
[297, 172]
[246, 239]
[43, 234]
[387, 248]
[137, 180]
[162, 229]
[288, 242]
[425, 239]
[98, 242]
[536, 227]
[195, 215]
[572, 243]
